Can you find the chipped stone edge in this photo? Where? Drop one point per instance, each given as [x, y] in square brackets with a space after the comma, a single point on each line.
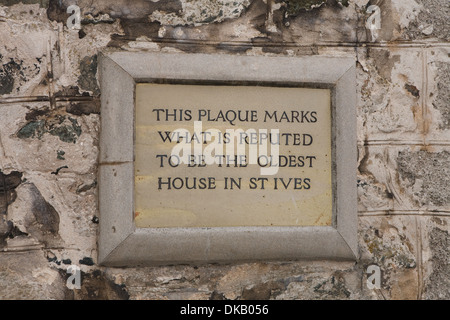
[122, 244]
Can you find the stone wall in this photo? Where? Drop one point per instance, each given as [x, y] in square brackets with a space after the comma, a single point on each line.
[49, 129]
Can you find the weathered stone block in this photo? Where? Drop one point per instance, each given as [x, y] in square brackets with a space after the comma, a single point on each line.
[436, 257]
[437, 99]
[389, 242]
[315, 22]
[430, 20]
[26, 38]
[426, 173]
[389, 95]
[278, 281]
[407, 20]
[27, 276]
[36, 129]
[404, 178]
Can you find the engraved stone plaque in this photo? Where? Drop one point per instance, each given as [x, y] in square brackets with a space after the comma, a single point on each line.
[221, 158]
[230, 190]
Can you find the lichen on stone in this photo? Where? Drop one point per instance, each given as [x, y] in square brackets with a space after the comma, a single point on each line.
[65, 128]
[88, 75]
[32, 129]
[389, 247]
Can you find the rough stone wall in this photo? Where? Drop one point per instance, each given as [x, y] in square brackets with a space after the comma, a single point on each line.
[49, 125]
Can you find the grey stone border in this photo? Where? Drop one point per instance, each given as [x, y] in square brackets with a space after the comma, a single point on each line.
[120, 243]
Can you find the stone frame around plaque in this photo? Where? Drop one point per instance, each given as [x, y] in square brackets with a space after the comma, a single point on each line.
[120, 243]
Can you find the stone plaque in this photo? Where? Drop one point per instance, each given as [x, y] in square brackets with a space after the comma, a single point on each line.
[287, 183]
[221, 158]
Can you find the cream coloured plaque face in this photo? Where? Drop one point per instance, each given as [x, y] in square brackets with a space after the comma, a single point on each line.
[227, 156]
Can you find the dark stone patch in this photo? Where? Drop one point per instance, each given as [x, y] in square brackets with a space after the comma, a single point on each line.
[37, 114]
[5, 229]
[8, 184]
[44, 120]
[69, 91]
[13, 73]
[234, 48]
[362, 168]
[333, 288]
[265, 43]
[307, 16]
[45, 215]
[310, 25]
[258, 292]
[134, 28]
[439, 221]
[41, 222]
[273, 49]
[438, 283]
[32, 129]
[412, 89]
[10, 181]
[268, 290]
[57, 11]
[384, 62]
[95, 286]
[293, 7]
[8, 73]
[87, 187]
[16, 232]
[66, 132]
[52, 258]
[262, 291]
[60, 155]
[433, 169]
[188, 47]
[257, 14]
[81, 34]
[216, 296]
[8, 230]
[87, 261]
[85, 107]
[167, 6]
[88, 75]
[269, 44]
